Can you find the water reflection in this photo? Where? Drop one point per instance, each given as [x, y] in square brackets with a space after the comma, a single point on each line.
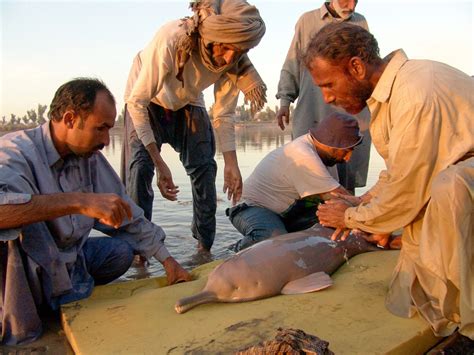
[253, 143]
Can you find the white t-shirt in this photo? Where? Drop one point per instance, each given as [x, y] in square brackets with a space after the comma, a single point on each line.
[288, 173]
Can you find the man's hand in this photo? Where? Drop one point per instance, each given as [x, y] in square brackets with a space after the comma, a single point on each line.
[175, 272]
[381, 240]
[283, 116]
[109, 209]
[340, 233]
[353, 200]
[165, 183]
[331, 214]
[232, 177]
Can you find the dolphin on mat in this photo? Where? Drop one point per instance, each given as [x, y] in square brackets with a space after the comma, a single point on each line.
[291, 263]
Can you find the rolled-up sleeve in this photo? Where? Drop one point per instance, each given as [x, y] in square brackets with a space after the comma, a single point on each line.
[15, 188]
[155, 66]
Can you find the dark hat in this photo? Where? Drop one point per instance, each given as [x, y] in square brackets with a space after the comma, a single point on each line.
[337, 130]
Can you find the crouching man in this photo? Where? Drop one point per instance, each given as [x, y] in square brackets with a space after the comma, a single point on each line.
[283, 192]
[55, 187]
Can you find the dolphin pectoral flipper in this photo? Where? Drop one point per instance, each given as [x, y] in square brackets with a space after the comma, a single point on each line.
[309, 283]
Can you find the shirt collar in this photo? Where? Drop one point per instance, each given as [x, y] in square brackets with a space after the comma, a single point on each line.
[324, 10]
[383, 89]
[51, 151]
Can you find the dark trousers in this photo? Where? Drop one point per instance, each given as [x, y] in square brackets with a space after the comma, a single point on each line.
[190, 133]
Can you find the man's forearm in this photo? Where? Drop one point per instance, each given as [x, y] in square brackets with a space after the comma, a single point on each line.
[230, 157]
[39, 208]
[155, 155]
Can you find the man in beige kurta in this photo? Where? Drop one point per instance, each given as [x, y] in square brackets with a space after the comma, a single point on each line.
[296, 84]
[422, 125]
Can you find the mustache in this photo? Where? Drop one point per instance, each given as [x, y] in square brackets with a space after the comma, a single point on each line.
[99, 147]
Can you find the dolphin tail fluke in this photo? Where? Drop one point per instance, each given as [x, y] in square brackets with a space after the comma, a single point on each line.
[185, 304]
[309, 283]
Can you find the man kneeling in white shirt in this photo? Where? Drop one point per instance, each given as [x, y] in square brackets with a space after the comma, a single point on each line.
[283, 192]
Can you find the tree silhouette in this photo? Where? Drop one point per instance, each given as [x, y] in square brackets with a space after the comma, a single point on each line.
[41, 111]
[121, 117]
[32, 116]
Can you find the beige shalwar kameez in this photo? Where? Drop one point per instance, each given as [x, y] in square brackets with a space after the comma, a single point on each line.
[423, 126]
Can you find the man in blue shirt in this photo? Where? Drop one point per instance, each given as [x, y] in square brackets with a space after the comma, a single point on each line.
[55, 187]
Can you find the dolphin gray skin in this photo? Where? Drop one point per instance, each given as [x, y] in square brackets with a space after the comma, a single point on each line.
[287, 264]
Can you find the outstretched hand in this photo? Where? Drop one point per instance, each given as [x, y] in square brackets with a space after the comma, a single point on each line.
[232, 182]
[175, 273]
[283, 117]
[165, 183]
[232, 178]
[340, 233]
[331, 213]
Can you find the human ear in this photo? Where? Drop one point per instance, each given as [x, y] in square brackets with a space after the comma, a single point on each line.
[357, 68]
[69, 118]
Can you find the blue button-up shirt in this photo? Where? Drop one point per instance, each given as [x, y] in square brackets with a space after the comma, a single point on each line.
[30, 164]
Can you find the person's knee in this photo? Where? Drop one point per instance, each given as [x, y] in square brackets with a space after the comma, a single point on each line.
[126, 252]
[119, 261]
[442, 186]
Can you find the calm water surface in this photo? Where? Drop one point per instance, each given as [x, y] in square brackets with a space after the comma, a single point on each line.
[253, 143]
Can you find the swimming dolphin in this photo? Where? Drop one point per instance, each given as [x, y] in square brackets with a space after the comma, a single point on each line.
[291, 263]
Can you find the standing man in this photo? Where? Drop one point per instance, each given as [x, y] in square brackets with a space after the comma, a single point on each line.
[283, 192]
[296, 83]
[422, 125]
[164, 101]
[55, 187]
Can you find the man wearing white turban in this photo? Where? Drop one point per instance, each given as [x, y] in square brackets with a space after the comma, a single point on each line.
[164, 101]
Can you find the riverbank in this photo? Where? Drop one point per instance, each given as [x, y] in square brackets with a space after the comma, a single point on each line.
[118, 128]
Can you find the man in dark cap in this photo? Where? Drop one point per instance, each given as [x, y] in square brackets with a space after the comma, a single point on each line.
[165, 103]
[283, 192]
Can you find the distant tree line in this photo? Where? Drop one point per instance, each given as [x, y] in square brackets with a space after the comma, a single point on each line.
[35, 117]
[32, 118]
[243, 114]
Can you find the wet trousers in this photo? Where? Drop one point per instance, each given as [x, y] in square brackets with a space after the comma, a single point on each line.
[189, 132]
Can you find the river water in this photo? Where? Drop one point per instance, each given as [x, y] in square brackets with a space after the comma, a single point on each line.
[253, 143]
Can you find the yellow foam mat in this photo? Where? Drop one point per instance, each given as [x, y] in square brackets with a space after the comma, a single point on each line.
[138, 317]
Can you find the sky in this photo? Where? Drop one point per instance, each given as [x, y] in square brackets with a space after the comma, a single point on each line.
[46, 43]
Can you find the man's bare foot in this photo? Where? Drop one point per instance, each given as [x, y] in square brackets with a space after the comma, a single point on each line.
[202, 249]
[140, 260]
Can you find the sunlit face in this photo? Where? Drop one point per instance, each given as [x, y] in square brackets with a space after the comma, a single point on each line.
[225, 54]
[91, 134]
[344, 8]
[339, 87]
